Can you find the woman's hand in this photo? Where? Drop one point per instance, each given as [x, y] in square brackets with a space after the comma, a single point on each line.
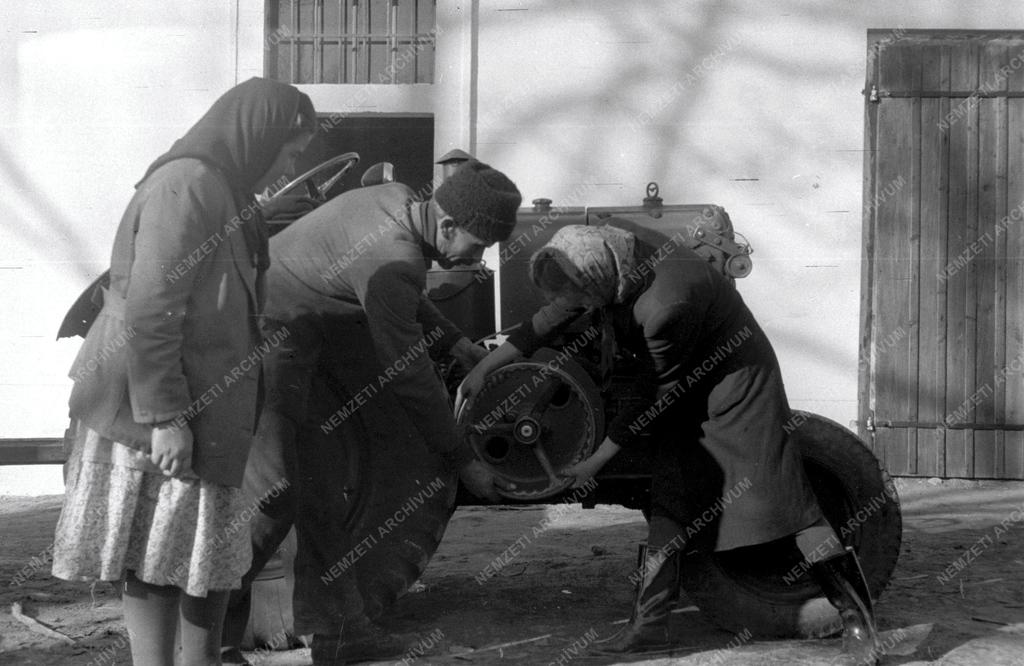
[171, 449]
[582, 472]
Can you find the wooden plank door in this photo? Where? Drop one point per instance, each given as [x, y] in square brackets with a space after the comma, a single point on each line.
[942, 315]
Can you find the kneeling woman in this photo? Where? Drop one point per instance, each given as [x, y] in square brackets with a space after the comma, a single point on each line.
[715, 403]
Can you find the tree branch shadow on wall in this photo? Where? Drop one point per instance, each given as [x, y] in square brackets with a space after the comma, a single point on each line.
[675, 127]
[54, 232]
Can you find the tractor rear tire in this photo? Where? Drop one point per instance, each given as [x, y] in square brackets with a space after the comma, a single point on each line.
[397, 500]
[766, 590]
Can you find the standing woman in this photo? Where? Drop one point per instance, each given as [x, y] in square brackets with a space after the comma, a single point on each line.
[714, 392]
[166, 382]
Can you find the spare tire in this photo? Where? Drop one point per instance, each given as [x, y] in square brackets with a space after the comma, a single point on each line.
[765, 590]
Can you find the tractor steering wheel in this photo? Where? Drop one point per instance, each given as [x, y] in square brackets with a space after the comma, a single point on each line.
[320, 179]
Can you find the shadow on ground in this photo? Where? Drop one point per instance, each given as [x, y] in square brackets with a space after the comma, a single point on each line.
[955, 597]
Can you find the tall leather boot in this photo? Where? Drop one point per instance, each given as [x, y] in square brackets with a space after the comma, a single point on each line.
[844, 585]
[654, 596]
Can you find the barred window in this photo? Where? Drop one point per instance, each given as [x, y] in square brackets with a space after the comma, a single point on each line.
[350, 41]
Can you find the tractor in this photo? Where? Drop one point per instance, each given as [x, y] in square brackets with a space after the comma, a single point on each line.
[526, 440]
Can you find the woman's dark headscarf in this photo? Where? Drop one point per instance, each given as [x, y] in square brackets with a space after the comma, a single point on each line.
[241, 136]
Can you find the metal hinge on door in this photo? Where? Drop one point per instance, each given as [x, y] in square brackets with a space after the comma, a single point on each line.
[868, 431]
[951, 425]
[876, 95]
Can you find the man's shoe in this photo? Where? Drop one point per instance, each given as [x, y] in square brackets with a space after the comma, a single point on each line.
[326, 650]
[360, 640]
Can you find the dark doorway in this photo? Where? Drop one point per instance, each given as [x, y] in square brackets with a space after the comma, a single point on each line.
[406, 141]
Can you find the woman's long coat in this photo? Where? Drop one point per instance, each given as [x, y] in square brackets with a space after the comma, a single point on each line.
[177, 337]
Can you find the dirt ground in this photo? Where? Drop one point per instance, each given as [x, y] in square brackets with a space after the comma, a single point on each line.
[956, 597]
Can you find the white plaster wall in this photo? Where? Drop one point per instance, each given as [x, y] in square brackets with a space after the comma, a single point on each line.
[90, 92]
[752, 105]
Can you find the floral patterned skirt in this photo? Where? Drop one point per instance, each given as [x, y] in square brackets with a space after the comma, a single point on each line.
[119, 516]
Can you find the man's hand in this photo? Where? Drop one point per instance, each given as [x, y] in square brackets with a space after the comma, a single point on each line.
[171, 449]
[470, 386]
[466, 354]
[482, 482]
[487, 363]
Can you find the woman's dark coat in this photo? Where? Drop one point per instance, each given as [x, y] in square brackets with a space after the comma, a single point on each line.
[178, 337]
[725, 467]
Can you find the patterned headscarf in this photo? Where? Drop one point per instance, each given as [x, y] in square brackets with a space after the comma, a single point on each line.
[598, 260]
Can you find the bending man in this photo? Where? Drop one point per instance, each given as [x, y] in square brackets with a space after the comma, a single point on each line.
[350, 274]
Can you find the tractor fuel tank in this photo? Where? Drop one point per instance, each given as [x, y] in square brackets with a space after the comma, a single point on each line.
[466, 296]
[705, 228]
